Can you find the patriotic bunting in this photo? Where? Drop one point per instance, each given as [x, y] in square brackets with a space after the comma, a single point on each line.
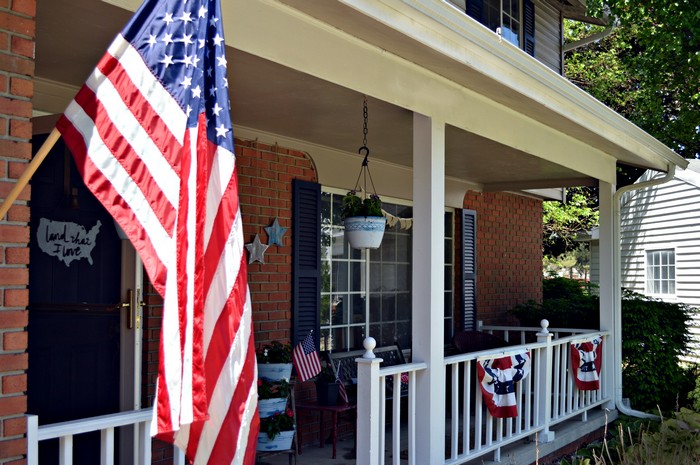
[497, 378]
[586, 360]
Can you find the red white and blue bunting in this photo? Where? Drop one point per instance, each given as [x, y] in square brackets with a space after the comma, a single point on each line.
[587, 360]
[497, 378]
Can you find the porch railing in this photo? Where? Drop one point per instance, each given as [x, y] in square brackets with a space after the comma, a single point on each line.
[106, 425]
[547, 396]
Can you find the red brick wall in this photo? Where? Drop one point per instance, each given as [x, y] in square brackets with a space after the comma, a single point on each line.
[17, 33]
[509, 253]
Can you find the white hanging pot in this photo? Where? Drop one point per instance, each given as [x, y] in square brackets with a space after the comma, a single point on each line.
[364, 232]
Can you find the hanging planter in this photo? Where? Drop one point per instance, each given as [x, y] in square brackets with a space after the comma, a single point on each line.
[363, 217]
[365, 232]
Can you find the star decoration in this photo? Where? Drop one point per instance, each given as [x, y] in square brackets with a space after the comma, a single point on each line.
[256, 250]
[275, 233]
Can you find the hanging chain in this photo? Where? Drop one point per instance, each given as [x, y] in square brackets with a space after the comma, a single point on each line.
[364, 128]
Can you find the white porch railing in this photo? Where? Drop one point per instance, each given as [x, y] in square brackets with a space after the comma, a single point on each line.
[105, 424]
[547, 396]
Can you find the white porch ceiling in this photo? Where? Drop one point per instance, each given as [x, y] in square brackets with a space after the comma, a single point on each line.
[276, 100]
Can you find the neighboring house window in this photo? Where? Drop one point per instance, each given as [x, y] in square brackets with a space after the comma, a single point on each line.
[513, 19]
[661, 272]
[363, 289]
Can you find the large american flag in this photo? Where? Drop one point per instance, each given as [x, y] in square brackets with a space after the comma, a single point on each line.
[151, 134]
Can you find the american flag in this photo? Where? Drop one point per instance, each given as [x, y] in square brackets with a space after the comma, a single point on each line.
[151, 134]
[306, 359]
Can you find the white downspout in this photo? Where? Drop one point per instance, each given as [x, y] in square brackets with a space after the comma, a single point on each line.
[617, 288]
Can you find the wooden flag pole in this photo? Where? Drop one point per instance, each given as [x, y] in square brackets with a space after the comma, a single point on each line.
[29, 172]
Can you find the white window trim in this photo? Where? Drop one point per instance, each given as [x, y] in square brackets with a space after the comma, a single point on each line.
[666, 297]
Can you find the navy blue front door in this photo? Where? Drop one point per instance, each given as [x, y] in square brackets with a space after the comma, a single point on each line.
[74, 286]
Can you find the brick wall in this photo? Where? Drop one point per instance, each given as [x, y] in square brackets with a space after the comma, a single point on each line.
[509, 253]
[17, 34]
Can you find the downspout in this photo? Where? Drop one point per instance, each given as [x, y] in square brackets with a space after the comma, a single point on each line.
[617, 288]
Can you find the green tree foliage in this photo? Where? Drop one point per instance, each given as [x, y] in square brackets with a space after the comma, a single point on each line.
[647, 69]
[654, 335]
[562, 222]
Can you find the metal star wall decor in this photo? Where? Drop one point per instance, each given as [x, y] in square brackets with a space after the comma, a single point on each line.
[275, 233]
[256, 250]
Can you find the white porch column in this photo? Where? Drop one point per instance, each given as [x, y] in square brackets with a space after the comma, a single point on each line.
[428, 285]
[611, 366]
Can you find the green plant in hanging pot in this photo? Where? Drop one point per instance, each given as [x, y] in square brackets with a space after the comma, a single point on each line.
[362, 216]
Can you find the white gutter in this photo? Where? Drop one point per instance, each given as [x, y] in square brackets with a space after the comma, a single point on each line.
[590, 39]
[617, 289]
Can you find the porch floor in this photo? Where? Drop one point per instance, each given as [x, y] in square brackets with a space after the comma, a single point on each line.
[522, 452]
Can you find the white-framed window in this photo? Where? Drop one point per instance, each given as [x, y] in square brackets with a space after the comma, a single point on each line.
[661, 272]
[513, 20]
[369, 292]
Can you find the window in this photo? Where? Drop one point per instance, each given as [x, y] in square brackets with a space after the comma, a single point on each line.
[370, 290]
[661, 272]
[514, 20]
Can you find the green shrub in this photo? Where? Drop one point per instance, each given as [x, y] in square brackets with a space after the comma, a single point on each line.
[654, 335]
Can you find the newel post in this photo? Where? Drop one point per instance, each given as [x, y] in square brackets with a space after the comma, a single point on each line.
[368, 409]
[544, 382]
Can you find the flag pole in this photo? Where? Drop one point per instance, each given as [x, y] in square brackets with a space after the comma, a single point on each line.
[29, 172]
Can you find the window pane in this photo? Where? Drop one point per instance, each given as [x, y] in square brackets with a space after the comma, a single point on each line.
[389, 307]
[375, 282]
[339, 275]
[357, 335]
[403, 281]
[389, 281]
[403, 334]
[375, 308]
[403, 248]
[356, 272]
[339, 339]
[358, 308]
[339, 311]
[388, 247]
[403, 306]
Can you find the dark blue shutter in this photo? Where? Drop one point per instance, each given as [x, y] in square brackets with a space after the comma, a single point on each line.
[475, 9]
[468, 270]
[306, 259]
[529, 26]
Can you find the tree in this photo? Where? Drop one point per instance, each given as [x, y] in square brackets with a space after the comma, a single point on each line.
[563, 222]
[647, 69]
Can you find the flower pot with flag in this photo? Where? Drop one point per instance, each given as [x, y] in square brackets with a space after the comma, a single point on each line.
[149, 130]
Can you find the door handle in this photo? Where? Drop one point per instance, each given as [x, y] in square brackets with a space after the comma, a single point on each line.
[131, 305]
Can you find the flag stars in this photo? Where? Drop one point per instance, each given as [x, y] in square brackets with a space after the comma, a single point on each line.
[152, 40]
[168, 19]
[221, 131]
[186, 39]
[202, 43]
[212, 91]
[216, 109]
[218, 40]
[213, 20]
[167, 60]
[202, 12]
[186, 17]
[221, 61]
[186, 82]
[167, 38]
[196, 92]
[187, 61]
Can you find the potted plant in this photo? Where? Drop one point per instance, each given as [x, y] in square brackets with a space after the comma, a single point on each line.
[272, 397]
[275, 361]
[326, 386]
[363, 220]
[276, 431]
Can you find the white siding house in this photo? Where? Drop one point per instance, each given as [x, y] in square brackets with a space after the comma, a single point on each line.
[660, 238]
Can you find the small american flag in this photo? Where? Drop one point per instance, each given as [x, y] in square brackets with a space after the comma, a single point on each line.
[306, 359]
[151, 134]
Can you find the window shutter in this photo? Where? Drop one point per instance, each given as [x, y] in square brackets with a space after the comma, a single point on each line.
[475, 9]
[306, 259]
[529, 26]
[468, 270]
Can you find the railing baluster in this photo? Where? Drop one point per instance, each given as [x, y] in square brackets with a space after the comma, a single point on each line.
[65, 450]
[466, 412]
[454, 420]
[396, 421]
[107, 446]
[412, 418]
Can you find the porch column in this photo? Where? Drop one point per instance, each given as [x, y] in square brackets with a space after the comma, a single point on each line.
[611, 368]
[428, 285]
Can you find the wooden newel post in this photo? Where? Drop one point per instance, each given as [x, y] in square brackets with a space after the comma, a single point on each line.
[368, 409]
[29, 172]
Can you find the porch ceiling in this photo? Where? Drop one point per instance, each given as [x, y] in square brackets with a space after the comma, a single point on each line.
[271, 98]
